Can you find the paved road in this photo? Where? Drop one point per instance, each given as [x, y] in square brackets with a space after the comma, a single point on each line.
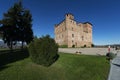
[88, 51]
[115, 68]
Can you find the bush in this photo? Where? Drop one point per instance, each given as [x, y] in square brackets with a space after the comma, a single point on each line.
[110, 55]
[43, 51]
[83, 46]
[92, 45]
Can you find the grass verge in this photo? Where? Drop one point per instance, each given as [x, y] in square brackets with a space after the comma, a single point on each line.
[68, 67]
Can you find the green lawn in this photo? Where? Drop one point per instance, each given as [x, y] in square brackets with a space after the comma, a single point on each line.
[3, 49]
[68, 67]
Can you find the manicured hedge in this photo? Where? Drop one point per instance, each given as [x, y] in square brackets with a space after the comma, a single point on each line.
[43, 51]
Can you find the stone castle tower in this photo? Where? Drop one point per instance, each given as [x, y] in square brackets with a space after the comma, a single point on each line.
[70, 33]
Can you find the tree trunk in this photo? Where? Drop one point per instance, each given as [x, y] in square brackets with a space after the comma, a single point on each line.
[22, 44]
[11, 45]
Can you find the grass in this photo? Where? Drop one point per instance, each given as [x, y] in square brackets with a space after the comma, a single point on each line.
[3, 49]
[68, 67]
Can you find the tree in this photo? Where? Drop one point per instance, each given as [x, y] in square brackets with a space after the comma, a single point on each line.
[16, 25]
[8, 28]
[0, 35]
[25, 27]
[1, 32]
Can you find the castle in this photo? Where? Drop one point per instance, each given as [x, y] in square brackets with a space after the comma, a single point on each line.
[73, 34]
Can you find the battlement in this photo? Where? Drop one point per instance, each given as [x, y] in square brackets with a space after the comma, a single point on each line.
[69, 16]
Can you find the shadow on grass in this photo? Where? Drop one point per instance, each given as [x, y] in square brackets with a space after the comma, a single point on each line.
[3, 67]
[8, 56]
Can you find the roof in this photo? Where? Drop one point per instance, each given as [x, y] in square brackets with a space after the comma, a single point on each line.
[88, 23]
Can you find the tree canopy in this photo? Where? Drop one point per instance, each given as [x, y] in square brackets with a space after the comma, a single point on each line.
[17, 25]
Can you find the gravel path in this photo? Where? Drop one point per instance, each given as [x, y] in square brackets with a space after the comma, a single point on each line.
[87, 51]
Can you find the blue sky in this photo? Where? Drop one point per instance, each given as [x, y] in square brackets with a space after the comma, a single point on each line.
[103, 14]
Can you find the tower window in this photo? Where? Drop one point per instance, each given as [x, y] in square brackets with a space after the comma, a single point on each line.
[72, 28]
[82, 38]
[65, 28]
[72, 41]
[72, 35]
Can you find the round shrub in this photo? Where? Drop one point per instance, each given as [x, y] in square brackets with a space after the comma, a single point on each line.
[110, 55]
[43, 51]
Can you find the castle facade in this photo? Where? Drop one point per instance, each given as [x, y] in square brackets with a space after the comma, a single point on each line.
[73, 34]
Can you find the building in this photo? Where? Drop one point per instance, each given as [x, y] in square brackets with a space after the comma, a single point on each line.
[73, 34]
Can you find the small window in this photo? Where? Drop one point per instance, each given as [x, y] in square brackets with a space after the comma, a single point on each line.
[82, 38]
[72, 41]
[72, 28]
[65, 28]
[72, 35]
